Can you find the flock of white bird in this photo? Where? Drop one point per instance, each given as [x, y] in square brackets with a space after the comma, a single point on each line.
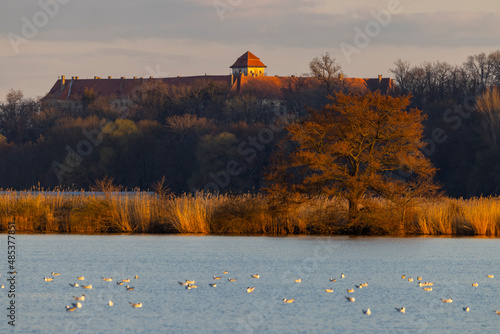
[426, 286]
[81, 298]
[191, 284]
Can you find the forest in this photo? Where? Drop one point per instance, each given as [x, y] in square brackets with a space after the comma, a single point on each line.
[201, 137]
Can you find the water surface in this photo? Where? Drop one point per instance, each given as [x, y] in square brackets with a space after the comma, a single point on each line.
[453, 264]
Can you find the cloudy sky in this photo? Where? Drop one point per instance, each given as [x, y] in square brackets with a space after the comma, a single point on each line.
[43, 39]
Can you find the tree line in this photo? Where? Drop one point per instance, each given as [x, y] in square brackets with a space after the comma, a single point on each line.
[200, 136]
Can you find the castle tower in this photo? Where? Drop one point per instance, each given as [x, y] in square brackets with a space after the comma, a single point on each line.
[248, 64]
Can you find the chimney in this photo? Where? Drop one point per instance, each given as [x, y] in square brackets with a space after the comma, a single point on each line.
[76, 78]
[110, 77]
[341, 76]
[122, 78]
[135, 77]
[63, 82]
[379, 78]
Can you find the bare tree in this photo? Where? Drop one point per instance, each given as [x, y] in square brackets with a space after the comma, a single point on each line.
[488, 105]
[16, 117]
[494, 60]
[401, 73]
[326, 69]
[480, 71]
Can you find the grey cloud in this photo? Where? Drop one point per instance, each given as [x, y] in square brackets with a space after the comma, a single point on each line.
[281, 24]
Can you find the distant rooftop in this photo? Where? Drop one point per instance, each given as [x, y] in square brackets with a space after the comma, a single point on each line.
[248, 59]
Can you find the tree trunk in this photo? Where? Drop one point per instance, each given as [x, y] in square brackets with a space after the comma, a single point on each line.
[353, 211]
[401, 227]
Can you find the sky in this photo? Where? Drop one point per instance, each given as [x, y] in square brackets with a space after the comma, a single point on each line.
[43, 39]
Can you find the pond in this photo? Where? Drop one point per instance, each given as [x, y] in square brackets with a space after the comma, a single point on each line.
[160, 262]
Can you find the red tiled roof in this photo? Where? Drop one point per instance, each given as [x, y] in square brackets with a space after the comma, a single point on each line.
[272, 86]
[121, 88]
[248, 59]
[264, 86]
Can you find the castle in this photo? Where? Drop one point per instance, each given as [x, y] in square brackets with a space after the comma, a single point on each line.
[248, 70]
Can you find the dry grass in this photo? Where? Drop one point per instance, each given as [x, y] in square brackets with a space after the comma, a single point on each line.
[143, 212]
[192, 213]
[66, 212]
[475, 216]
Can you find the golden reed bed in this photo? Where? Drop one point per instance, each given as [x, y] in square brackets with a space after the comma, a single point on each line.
[145, 212]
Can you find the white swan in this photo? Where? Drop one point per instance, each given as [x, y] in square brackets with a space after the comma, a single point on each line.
[329, 290]
[402, 310]
[449, 300]
[367, 311]
[87, 286]
[75, 285]
[351, 299]
[48, 279]
[255, 276]
[288, 301]
[250, 289]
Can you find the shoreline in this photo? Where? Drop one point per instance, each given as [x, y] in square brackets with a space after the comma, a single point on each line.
[349, 236]
[141, 212]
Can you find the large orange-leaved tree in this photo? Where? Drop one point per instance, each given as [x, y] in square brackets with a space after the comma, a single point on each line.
[360, 145]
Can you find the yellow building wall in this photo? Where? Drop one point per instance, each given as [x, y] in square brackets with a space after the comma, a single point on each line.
[257, 71]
